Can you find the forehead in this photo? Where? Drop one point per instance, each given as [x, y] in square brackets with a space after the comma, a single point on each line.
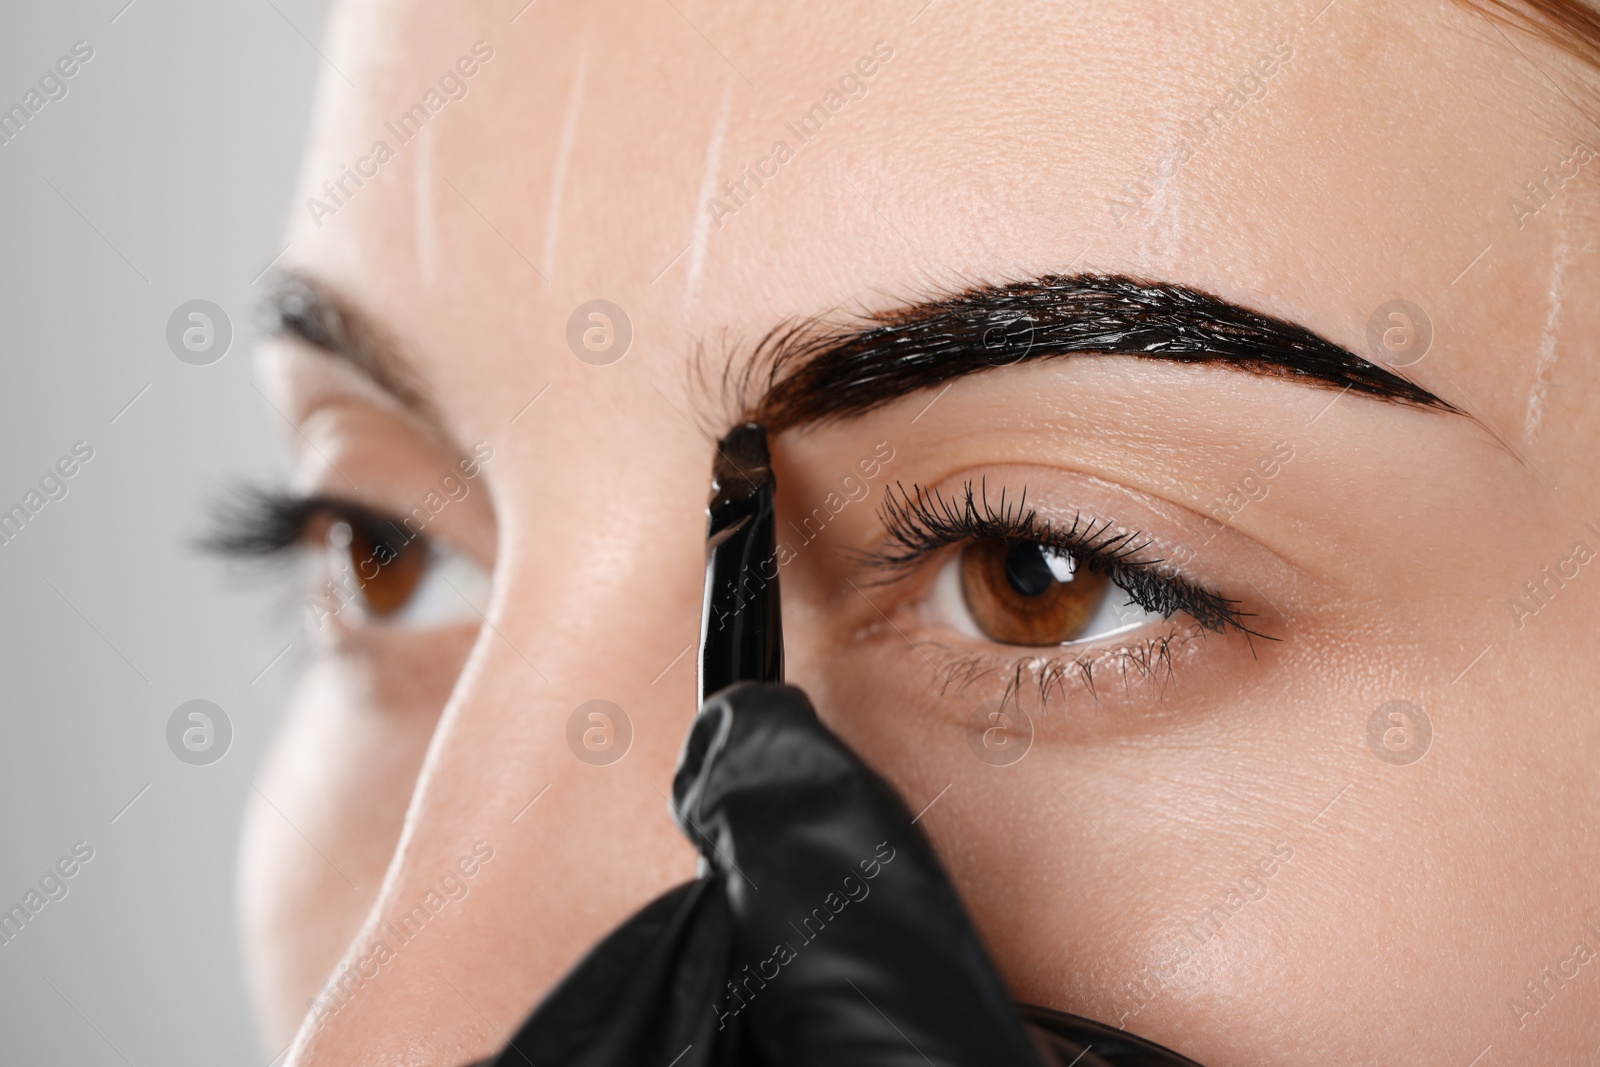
[715, 169]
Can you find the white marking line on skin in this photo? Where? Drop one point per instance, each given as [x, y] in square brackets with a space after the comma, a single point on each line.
[1161, 234]
[708, 190]
[1533, 416]
[427, 233]
[569, 134]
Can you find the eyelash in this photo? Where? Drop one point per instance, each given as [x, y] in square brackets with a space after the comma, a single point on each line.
[921, 522]
[269, 524]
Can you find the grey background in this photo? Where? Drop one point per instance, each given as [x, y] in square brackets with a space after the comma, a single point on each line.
[172, 159]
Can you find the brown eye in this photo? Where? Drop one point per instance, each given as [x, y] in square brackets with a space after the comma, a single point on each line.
[386, 569]
[1027, 594]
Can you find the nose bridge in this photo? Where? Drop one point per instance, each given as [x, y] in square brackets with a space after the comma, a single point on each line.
[540, 819]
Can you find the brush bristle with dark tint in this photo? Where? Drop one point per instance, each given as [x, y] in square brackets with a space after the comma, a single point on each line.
[742, 465]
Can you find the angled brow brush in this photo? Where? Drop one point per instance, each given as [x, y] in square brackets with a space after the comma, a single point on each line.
[741, 630]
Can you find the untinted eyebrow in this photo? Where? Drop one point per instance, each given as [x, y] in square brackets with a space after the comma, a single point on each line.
[309, 310]
[805, 372]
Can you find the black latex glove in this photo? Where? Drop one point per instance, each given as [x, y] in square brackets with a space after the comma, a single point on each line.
[823, 929]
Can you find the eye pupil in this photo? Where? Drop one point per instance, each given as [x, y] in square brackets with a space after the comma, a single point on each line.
[1028, 571]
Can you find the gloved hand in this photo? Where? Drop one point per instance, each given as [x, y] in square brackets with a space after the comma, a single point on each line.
[822, 929]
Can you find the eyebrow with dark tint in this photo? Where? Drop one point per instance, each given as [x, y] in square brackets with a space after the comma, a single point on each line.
[806, 372]
[310, 311]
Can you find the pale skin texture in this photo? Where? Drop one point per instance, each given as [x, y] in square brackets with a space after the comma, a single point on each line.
[1385, 555]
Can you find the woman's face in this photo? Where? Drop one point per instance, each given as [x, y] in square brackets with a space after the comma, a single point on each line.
[1231, 842]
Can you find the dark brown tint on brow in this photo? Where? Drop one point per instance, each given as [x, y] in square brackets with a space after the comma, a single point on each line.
[805, 373]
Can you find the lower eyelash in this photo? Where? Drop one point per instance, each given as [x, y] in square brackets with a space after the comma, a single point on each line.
[1147, 662]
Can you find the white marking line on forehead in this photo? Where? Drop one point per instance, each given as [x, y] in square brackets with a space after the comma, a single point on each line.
[558, 179]
[708, 191]
[1544, 364]
[427, 233]
[1161, 236]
